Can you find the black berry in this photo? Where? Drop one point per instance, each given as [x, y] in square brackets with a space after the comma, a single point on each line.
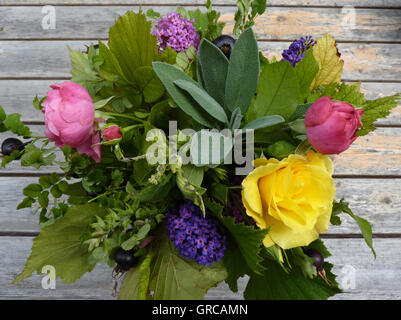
[225, 44]
[125, 259]
[11, 144]
[316, 256]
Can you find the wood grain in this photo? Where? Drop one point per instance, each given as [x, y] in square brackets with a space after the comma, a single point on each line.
[17, 96]
[377, 200]
[50, 59]
[271, 3]
[374, 279]
[74, 22]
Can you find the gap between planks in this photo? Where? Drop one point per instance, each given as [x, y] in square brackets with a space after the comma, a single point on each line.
[335, 6]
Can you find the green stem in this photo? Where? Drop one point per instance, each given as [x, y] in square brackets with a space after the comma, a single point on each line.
[118, 115]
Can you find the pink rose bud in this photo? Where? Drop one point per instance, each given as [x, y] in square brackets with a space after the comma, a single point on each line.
[331, 126]
[69, 118]
[112, 133]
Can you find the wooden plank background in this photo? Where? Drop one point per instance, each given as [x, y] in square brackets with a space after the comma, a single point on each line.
[368, 174]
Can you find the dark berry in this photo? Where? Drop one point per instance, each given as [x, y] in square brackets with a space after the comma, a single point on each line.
[225, 44]
[316, 256]
[11, 144]
[125, 259]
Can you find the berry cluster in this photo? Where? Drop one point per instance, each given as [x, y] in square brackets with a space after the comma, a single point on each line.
[176, 32]
[298, 49]
[195, 237]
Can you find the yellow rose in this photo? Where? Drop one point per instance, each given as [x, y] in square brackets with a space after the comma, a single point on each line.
[294, 196]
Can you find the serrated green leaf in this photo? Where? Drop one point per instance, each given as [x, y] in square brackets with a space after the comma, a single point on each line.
[248, 239]
[243, 72]
[15, 125]
[149, 84]
[193, 174]
[277, 92]
[60, 245]
[376, 109]
[131, 42]
[175, 278]
[44, 181]
[277, 284]
[328, 58]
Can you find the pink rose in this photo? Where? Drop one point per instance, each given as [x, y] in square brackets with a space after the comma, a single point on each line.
[70, 118]
[112, 133]
[331, 126]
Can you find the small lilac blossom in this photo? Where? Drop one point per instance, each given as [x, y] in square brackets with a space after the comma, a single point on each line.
[194, 236]
[298, 49]
[176, 32]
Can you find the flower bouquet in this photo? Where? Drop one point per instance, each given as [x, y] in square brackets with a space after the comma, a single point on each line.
[189, 159]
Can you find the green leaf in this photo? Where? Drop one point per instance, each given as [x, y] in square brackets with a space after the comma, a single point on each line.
[43, 199]
[3, 114]
[26, 203]
[259, 6]
[298, 126]
[243, 72]
[110, 69]
[148, 82]
[214, 67]
[249, 240]
[44, 181]
[193, 174]
[300, 111]
[306, 71]
[190, 191]
[363, 224]
[15, 125]
[277, 92]
[33, 190]
[60, 245]
[327, 56]
[376, 109]
[343, 92]
[280, 149]
[153, 14]
[203, 99]
[264, 122]
[175, 278]
[169, 55]
[131, 42]
[235, 264]
[277, 284]
[168, 74]
[156, 192]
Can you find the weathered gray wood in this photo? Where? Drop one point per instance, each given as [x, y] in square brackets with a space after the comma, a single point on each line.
[378, 200]
[50, 59]
[329, 3]
[375, 279]
[17, 96]
[74, 22]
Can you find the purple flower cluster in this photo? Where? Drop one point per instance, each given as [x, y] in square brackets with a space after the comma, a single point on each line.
[298, 49]
[195, 237]
[176, 32]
